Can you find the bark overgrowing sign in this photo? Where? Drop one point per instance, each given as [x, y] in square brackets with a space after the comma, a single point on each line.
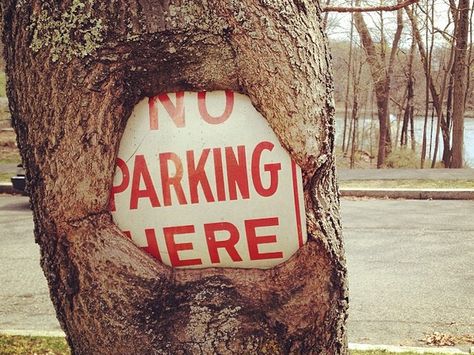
[202, 181]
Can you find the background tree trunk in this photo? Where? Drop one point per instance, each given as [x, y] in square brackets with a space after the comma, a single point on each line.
[460, 83]
[426, 61]
[75, 71]
[408, 115]
[348, 82]
[381, 77]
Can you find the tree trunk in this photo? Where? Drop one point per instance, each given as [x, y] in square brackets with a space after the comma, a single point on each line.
[447, 78]
[75, 71]
[460, 83]
[449, 122]
[348, 84]
[355, 113]
[410, 98]
[434, 93]
[381, 77]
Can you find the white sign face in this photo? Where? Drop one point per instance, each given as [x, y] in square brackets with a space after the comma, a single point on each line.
[202, 181]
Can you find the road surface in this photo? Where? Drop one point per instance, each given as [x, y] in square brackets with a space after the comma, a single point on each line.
[24, 295]
[410, 270]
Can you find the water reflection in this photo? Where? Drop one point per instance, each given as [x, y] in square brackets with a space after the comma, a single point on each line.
[367, 123]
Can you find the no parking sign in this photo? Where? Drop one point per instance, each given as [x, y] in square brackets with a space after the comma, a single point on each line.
[202, 181]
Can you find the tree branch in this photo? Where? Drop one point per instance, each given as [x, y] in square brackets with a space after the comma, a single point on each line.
[369, 8]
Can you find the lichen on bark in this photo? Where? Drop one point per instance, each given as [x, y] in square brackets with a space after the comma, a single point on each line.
[109, 295]
[74, 32]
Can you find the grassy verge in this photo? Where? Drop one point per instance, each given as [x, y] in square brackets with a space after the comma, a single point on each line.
[383, 352]
[21, 345]
[9, 157]
[2, 84]
[411, 184]
[8, 151]
[5, 177]
[16, 345]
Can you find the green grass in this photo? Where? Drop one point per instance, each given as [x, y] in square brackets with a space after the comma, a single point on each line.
[411, 184]
[398, 159]
[9, 157]
[5, 177]
[383, 352]
[3, 82]
[22, 345]
[26, 345]
[8, 151]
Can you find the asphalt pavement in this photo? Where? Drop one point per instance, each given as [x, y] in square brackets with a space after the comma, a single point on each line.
[24, 295]
[411, 269]
[410, 266]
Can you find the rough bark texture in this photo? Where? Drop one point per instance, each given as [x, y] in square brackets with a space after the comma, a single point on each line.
[75, 71]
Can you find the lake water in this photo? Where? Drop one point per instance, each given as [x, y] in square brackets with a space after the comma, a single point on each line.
[419, 121]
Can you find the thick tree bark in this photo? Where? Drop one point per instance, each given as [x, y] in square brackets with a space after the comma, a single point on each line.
[75, 71]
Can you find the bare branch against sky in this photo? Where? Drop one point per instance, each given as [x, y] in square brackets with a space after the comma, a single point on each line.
[369, 8]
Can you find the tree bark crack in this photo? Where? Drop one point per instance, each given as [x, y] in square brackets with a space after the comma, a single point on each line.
[88, 218]
[108, 294]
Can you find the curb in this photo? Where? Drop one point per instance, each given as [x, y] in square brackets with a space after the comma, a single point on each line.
[33, 333]
[351, 346]
[404, 349]
[383, 193]
[412, 194]
[6, 188]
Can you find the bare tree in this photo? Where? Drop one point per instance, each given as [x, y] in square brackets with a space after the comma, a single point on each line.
[435, 96]
[348, 82]
[447, 78]
[355, 112]
[381, 76]
[408, 116]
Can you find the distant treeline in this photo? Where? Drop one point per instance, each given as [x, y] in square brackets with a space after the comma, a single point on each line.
[417, 61]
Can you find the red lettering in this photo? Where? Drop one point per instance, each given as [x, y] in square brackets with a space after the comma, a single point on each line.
[253, 240]
[297, 202]
[229, 105]
[167, 181]
[123, 184]
[272, 168]
[237, 172]
[219, 172]
[197, 175]
[174, 248]
[152, 244]
[140, 171]
[176, 112]
[228, 244]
